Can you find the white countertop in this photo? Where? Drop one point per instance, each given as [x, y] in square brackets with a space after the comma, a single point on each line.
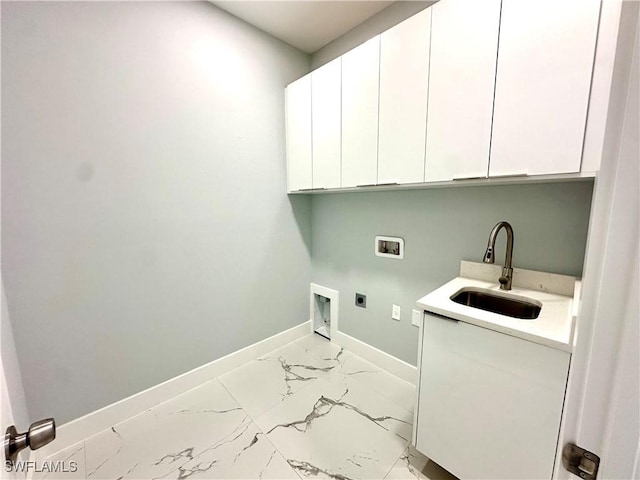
[553, 327]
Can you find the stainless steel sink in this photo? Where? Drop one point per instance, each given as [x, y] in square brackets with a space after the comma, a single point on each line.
[491, 302]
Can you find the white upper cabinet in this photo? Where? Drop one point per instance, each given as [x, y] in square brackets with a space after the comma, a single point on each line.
[298, 111]
[464, 47]
[326, 125]
[360, 81]
[463, 89]
[404, 81]
[545, 59]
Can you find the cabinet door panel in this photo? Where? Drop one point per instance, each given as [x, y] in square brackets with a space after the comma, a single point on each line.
[298, 109]
[464, 48]
[545, 59]
[326, 125]
[404, 79]
[489, 404]
[360, 81]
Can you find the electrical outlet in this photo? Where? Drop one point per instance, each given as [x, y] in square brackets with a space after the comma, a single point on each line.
[395, 312]
[416, 318]
[361, 300]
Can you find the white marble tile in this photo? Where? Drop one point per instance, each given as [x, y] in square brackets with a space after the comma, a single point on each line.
[267, 381]
[324, 349]
[325, 413]
[393, 388]
[377, 405]
[160, 440]
[388, 385]
[413, 465]
[331, 431]
[246, 454]
[68, 464]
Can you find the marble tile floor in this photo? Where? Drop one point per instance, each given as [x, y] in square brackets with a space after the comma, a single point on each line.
[307, 410]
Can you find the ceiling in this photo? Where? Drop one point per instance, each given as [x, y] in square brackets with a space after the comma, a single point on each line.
[307, 25]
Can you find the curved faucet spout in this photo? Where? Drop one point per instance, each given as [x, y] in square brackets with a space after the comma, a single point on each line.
[507, 271]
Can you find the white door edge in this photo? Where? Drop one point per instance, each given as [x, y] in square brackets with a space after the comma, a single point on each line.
[601, 394]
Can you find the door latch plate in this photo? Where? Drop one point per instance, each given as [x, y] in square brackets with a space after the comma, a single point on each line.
[580, 462]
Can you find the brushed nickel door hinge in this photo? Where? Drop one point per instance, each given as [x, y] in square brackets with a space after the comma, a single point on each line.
[580, 462]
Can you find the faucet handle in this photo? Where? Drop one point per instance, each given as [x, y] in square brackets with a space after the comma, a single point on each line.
[503, 280]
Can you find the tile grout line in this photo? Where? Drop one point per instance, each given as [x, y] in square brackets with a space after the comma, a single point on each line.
[265, 357]
[84, 454]
[359, 382]
[313, 353]
[118, 424]
[396, 462]
[362, 384]
[258, 426]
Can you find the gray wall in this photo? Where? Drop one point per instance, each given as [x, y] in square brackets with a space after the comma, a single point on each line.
[13, 404]
[440, 227]
[145, 226]
[381, 21]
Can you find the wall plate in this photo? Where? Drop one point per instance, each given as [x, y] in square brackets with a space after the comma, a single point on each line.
[416, 318]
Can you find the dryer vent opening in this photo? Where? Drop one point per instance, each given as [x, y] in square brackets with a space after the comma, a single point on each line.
[322, 315]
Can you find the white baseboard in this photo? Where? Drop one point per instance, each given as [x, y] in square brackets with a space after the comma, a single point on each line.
[377, 357]
[84, 427]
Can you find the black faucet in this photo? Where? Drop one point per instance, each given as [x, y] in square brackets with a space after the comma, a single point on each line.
[507, 270]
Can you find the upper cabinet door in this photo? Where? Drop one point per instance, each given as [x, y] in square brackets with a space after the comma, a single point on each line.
[404, 80]
[545, 59]
[464, 47]
[360, 80]
[326, 125]
[298, 110]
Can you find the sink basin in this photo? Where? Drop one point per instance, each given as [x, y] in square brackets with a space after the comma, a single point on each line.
[492, 302]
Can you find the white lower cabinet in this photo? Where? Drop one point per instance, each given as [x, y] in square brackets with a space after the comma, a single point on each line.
[489, 404]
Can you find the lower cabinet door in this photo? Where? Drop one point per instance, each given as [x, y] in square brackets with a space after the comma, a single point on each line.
[489, 404]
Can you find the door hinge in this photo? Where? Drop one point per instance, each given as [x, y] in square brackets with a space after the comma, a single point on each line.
[580, 462]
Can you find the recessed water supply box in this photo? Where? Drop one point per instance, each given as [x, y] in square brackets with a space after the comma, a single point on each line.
[323, 311]
[390, 247]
